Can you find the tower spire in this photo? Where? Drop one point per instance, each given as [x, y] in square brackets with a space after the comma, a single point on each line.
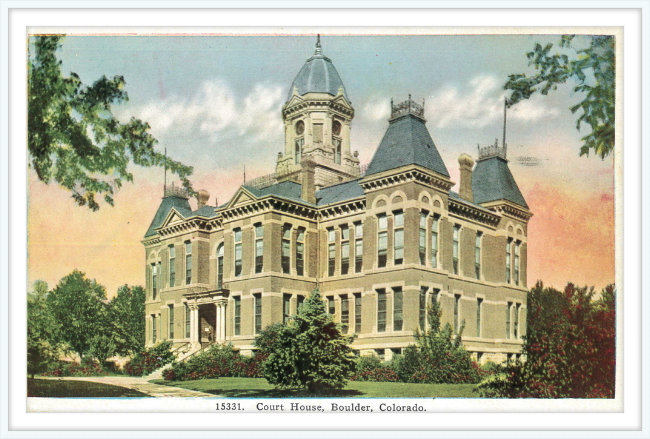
[318, 49]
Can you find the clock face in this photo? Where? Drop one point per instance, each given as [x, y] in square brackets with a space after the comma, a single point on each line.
[336, 128]
[300, 127]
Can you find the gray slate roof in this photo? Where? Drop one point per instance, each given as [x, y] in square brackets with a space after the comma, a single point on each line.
[492, 180]
[406, 141]
[287, 189]
[182, 205]
[340, 192]
[318, 75]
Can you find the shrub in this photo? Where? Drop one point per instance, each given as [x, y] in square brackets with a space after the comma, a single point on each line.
[310, 351]
[154, 358]
[88, 368]
[570, 347]
[217, 361]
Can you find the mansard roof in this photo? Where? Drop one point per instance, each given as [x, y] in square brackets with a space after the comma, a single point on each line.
[339, 192]
[492, 181]
[287, 189]
[181, 205]
[407, 141]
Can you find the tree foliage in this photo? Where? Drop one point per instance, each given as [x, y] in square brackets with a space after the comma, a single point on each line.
[73, 137]
[570, 347]
[310, 351]
[126, 317]
[594, 70]
[42, 346]
[78, 307]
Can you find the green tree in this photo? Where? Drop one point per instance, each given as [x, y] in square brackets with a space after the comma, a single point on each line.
[73, 137]
[78, 306]
[126, 316]
[594, 70]
[310, 351]
[42, 348]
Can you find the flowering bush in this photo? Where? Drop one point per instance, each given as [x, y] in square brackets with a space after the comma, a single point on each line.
[154, 358]
[217, 361]
[86, 369]
[570, 347]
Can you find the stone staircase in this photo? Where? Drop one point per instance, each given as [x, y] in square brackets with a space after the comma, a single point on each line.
[182, 353]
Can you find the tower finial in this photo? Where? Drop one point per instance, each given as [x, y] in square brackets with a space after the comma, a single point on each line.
[318, 49]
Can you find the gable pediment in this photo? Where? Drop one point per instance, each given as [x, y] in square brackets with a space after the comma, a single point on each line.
[173, 217]
[241, 197]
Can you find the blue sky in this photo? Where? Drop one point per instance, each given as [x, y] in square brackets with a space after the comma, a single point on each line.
[215, 103]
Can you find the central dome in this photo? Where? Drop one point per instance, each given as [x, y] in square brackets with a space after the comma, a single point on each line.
[318, 75]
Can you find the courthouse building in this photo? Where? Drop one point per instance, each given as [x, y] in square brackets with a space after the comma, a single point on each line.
[380, 244]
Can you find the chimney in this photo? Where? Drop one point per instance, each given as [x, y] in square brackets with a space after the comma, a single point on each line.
[307, 179]
[466, 163]
[203, 196]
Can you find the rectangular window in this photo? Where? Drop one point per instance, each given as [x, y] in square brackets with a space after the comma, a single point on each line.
[455, 247]
[423, 307]
[237, 322]
[477, 254]
[434, 242]
[238, 252]
[423, 238]
[517, 262]
[345, 314]
[382, 247]
[358, 248]
[300, 252]
[398, 315]
[435, 294]
[258, 312]
[508, 246]
[172, 266]
[220, 267]
[357, 313]
[508, 319]
[286, 308]
[398, 242]
[298, 150]
[345, 250]
[153, 329]
[517, 321]
[331, 308]
[259, 248]
[171, 322]
[479, 304]
[154, 281]
[286, 249]
[331, 251]
[456, 312]
[381, 310]
[337, 150]
[188, 262]
[300, 303]
[187, 321]
[318, 133]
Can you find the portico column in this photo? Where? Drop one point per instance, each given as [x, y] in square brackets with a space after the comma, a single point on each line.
[217, 324]
[223, 321]
[194, 324]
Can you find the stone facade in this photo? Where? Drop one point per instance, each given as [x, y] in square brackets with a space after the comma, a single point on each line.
[380, 246]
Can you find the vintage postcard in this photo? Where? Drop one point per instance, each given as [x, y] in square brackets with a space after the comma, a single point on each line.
[303, 221]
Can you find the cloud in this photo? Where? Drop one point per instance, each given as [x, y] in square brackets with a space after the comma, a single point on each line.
[216, 112]
[377, 110]
[480, 103]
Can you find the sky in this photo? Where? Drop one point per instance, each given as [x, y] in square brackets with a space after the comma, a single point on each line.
[215, 103]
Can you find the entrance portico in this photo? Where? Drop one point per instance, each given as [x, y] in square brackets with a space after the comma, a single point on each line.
[207, 319]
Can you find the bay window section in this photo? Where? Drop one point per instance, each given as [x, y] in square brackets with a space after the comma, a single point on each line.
[259, 248]
[286, 249]
[300, 252]
[345, 250]
[398, 236]
[238, 252]
[382, 240]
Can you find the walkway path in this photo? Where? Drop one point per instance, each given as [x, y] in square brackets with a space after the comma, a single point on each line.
[142, 384]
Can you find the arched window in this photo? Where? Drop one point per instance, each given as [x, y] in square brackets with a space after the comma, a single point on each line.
[220, 267]
[336, 141]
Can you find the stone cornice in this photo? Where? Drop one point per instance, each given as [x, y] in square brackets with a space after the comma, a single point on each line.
[183, 227]
[509, 208]
[410, 173]
[317, 104]
[344, 208]
[464, 209]
[269, 203]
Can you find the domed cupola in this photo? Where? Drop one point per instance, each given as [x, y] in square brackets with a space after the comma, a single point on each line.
[317, 118]
[318, 75]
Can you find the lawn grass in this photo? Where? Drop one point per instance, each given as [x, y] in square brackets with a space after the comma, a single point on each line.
[78, 389]
[260, 388]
